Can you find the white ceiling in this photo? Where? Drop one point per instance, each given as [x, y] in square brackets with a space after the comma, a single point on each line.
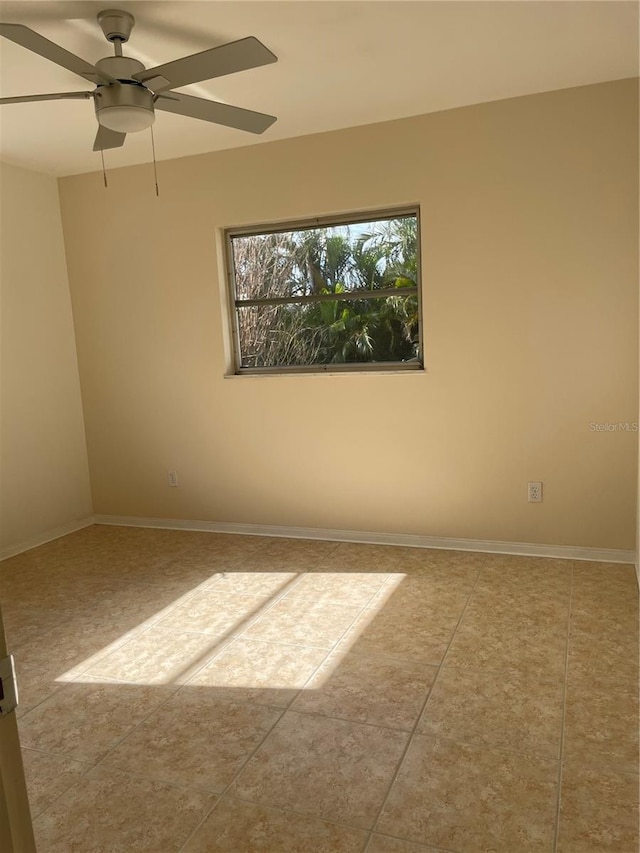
[341, 64]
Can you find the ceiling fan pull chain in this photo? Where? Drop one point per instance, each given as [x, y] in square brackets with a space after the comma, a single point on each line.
[155, 170]
[104, 171]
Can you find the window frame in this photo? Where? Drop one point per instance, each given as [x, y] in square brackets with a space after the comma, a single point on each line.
[306, 224]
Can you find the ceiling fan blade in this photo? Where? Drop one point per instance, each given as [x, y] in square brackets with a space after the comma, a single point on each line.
[54, 96]
[53, 52]
[106, 138]
[236, 117]
[216, 62]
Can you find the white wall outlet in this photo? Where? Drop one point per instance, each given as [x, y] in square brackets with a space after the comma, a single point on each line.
[172, 478]
[535, 493]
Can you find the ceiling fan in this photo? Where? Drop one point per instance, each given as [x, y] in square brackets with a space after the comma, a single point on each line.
[127, 93]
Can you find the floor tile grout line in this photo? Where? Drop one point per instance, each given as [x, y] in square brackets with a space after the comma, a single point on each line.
[62, 755]
[87, 769]
[490, 747]
[335, 646]
[286, 811]
[85, 671]
[271, 730]
[329, 651]
[231, 639]
[218, 801]
[406, 840]
[171, 697]
[130, 775]
[283, 810]
[421, 712]
[281, 594]
[556, 835]
[235, 776]
[161, 585]
[39, 702]
[459, 741]
[152, 624]
[143, 777]
[240, 637]
[226, 639]
[108, 752]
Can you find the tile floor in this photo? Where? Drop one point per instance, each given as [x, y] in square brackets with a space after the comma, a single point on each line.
[202, 692]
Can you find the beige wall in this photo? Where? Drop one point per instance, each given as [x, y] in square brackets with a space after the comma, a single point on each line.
[529, 220]
[44, 478]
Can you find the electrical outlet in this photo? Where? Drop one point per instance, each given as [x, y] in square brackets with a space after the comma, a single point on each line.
[172, 478]
[535, 493]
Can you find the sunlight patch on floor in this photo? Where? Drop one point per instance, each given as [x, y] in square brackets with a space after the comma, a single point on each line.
[192, 640]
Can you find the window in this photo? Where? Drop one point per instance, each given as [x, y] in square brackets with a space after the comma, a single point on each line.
[328, 294]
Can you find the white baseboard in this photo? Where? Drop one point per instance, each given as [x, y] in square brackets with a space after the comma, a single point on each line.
[528, 549]
[44, 537]
[566, 552]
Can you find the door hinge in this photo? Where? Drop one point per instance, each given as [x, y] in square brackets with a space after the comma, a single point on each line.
[8, 686]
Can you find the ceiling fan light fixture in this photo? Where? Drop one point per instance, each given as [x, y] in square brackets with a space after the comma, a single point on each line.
[124, 107]
[126, 119]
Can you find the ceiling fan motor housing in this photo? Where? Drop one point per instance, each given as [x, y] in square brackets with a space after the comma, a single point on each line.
[120, 67]
[128, 107]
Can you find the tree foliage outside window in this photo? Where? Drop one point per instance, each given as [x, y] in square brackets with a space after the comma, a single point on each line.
[328, 296]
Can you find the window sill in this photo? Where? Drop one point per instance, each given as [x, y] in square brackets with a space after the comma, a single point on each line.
[288, 374]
